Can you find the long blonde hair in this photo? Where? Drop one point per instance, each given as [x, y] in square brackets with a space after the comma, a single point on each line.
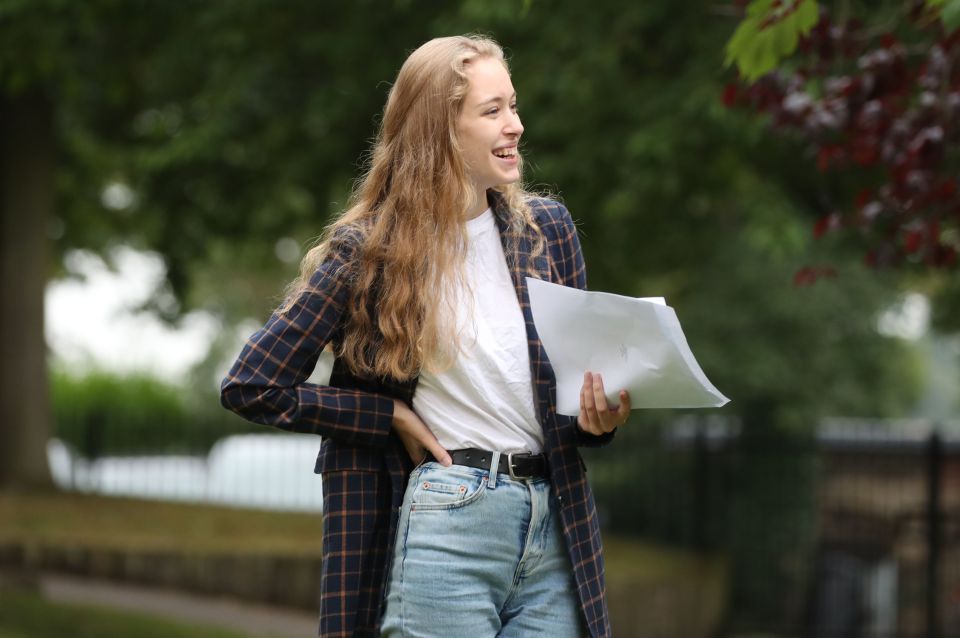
[407, 210]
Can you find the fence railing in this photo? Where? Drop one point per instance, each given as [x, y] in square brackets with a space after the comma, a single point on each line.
[854, 531]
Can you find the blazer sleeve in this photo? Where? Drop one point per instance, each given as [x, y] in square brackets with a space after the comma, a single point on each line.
[267, 382]
[574, 272]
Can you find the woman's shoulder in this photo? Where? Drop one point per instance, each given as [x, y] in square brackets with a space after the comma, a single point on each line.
[346, 243]
[547, 208]
[336, 257]
[551, 215]
[348, 236]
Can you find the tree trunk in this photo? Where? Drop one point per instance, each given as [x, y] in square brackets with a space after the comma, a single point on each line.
[27, 160]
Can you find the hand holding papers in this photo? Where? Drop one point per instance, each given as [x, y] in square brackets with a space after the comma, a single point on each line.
[636, 344]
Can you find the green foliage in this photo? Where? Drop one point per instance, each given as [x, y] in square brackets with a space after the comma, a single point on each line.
[260, 140]
[949, 12]
[106, 413]
[768, 34]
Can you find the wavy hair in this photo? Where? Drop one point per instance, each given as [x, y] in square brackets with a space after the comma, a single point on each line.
[406, 216]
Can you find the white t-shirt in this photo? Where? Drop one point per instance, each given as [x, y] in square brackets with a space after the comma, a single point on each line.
[485, 399]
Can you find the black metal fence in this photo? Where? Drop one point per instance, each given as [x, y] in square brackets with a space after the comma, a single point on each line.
[851, 532]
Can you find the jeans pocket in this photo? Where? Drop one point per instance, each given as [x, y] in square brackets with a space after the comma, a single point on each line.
[439, 488]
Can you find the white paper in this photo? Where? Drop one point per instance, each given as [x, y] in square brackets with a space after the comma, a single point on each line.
[636, 344]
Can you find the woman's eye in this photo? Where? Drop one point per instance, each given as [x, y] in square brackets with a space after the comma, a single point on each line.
[513, 107]
[493, 111]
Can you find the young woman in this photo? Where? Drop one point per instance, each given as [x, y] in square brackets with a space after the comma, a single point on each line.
[455, 500]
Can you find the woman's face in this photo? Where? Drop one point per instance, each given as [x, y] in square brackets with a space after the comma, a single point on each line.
[489, 126]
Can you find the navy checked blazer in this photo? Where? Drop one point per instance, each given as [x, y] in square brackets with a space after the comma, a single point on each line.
[363, 464]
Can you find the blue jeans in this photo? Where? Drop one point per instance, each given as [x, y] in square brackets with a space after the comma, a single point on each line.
[479, 558]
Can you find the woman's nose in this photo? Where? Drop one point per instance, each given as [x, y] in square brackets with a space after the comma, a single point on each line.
[514, 125]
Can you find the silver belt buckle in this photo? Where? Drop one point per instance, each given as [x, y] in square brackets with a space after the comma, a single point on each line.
[510, 467]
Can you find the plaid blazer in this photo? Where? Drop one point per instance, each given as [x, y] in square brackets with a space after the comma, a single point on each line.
[363, 464]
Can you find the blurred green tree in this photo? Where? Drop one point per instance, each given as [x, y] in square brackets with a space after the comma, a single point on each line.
[192, 129]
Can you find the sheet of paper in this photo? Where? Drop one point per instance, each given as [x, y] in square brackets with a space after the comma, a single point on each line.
[635, 343]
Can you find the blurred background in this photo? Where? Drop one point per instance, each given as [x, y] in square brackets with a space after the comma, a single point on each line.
[782, 171]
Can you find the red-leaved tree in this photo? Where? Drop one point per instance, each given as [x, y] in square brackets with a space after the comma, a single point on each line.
[879, 104]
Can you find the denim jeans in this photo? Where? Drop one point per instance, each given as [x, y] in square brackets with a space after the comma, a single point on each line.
[479, 557]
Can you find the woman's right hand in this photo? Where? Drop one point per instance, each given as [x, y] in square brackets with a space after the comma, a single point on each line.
[416, 436]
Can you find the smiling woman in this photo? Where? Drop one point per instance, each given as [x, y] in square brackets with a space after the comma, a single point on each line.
[456, 501]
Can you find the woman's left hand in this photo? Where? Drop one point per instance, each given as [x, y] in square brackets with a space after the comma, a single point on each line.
[596, 416]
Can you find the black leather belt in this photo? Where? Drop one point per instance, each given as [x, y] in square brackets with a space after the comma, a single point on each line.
[516, 465]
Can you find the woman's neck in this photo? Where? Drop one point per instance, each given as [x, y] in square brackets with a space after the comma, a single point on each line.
[477, 207]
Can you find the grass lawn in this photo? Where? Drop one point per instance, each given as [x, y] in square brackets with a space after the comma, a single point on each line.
[629, 561]
[73, 519]
[28, 615]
